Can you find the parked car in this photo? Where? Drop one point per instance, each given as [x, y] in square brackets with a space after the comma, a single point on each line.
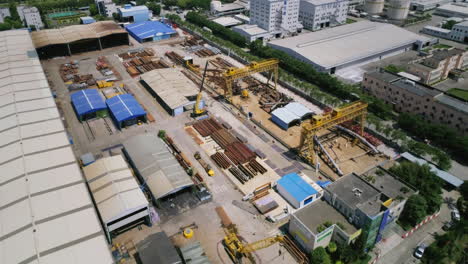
[419, 252]
[447, 226]
[455, 215]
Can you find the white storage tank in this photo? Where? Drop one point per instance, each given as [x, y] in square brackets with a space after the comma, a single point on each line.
[374, 6]
[398, 9]
[215, 5]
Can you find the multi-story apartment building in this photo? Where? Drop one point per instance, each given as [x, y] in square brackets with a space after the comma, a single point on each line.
[276, 16]
[106, 7]
[439, 64]
[318, 14]
[417, 98]
[31, 15]
[459, 32]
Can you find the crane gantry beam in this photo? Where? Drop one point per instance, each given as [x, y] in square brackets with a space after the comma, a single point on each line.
[307, 147]
[231, 74]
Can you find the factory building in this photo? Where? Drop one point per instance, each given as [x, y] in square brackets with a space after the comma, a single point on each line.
[318, 14]
[75, 39]
[46, 212]
[277, 17]
[125, 110]
[150, 31]
[372, 206]
[172, 89]
[88, 104]
[117, 195]
[155, 166]
[219, 9]
[453, 10]
[425, 5]
[350, 45]
[133, 14]
[297, 191]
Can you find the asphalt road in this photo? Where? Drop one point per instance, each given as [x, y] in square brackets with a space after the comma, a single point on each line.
[403, 253]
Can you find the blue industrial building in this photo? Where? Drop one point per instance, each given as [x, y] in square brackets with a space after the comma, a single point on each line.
[150, 31]
[134, 14]
[296, 190]
[88, 104]
[125, 110]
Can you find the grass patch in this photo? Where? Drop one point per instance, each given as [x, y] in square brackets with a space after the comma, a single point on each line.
[459, 93]
[350, 21]
[441, 46]
[394, 68]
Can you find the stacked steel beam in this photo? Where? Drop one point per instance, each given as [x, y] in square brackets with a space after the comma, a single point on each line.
[207, 127]
[223, 138]
[221, 160]
[239, 153]
[257, 166]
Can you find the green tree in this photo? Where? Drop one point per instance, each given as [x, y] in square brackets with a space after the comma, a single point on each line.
[319, 256]
[155, 8]
[415, 210]
[93, 10]
[162, 134]
[449, 24]
[332, 247]
[13, 12]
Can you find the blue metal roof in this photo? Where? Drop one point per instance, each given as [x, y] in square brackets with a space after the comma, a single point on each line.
[323, 184]
[296, 186]
[440, 173]
[149, 29]
[87, 101]
[87, 20]
[124, 107]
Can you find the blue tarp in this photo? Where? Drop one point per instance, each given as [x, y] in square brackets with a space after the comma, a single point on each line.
[87, 20]
[124, 107]
[87, 101]
[149, 29]
[323, 184]
[296, 186]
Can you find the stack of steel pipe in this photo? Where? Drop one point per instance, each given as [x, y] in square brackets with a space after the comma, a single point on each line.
[239, 175]
[207, 127]
[247, 171]
[223, 138]
[257, 166]
[221, 160]
[239, 153]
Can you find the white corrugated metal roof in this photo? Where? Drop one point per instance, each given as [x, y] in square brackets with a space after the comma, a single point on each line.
[46, 213]
[114, 188]
[285, 116]
[298, 109]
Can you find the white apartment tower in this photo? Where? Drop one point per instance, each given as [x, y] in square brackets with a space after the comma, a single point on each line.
[31, 15]
[318, 14]
[278, 17]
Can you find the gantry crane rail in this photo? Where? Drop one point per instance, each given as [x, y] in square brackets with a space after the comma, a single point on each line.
[231, 74]
[337, 116]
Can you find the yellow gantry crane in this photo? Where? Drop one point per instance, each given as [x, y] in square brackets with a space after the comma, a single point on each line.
[337, 116]
[236, 249]
[231, 74]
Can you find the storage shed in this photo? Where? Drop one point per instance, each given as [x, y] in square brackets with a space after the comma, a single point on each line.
[299, 110]
[87, 20]
[284, 118]
[296, 190]
[88, 104]
[158, 249]
[125, 110]
[150, 31]
[117, 195]
[155, 165]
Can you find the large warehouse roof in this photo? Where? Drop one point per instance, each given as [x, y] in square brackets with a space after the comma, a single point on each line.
[149, 29]
[115, 190]
[298, 109]
[46, 213]
[284, 115]
[157, 166]
[124, 107]
[171, 86]
[347, 43]
[87, 101]
[73, 33]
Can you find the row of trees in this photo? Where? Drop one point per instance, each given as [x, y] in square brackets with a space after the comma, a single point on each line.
[216, 28]
[325, 81]
[340, 253]
[13, 21]
[188, 4]
[45, 6]
[451, 247]
[440, 135]
[428, 200]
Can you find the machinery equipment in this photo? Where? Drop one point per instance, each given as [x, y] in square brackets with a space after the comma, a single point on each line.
[188, 63]
[231, 74]
[205, 165]
[245, 93]
[337, 116]
[197, 110]
[236, 249]
[104, 84]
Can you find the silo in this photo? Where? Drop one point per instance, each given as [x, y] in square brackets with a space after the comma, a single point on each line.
[398, 9]
[214, 6]
[373, 7]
